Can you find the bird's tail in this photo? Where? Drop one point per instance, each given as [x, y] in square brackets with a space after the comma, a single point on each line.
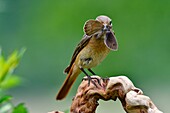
[71, 77]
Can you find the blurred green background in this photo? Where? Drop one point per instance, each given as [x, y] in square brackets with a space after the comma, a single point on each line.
[50, 30]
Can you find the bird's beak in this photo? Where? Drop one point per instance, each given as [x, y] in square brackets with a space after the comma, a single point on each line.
[105, 27]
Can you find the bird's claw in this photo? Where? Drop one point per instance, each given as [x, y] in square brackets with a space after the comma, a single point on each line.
[105, 79]
[89, 78]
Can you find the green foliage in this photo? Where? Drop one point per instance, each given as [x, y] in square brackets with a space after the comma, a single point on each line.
[5, 98]
[5, 103]
[7, 66]
[20, 109]
[9, 80]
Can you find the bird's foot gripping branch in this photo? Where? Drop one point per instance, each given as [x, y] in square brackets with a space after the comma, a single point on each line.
[120, 87]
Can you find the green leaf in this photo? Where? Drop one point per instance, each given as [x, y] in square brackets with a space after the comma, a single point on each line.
[12, 81]
[21, 52]
[20, 109]
[5, 108]
[5, 98]
[8, 66]
[2, 61]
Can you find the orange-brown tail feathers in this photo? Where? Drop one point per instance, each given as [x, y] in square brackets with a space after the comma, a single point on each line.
[71, 77]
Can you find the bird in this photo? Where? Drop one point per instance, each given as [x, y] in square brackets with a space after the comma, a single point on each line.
[98, 40]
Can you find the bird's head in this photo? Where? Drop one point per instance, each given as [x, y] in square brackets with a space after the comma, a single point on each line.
[102, 26]
[106, 22]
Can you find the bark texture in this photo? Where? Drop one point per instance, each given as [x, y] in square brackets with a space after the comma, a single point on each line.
[133, 100]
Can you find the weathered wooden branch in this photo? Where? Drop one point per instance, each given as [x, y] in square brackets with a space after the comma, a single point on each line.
[132, 98]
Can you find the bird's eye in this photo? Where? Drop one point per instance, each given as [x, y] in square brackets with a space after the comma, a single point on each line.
[110, 23]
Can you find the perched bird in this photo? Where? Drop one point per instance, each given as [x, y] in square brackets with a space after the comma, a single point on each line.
[98, 40]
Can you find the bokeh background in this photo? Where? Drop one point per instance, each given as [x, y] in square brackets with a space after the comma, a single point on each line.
[50, 30]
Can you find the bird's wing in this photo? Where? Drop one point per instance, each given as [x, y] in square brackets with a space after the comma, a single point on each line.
[85, 40]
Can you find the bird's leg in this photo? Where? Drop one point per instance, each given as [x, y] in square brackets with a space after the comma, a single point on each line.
[89, 78]
[106, 79]
[91, 71]
[94, 78]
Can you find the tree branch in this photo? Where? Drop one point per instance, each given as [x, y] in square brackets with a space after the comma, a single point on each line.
[132, 98]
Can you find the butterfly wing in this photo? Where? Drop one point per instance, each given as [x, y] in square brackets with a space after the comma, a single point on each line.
[110, 41]
[92, 26]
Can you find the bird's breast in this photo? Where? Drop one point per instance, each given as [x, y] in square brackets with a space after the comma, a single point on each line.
[93, 53]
